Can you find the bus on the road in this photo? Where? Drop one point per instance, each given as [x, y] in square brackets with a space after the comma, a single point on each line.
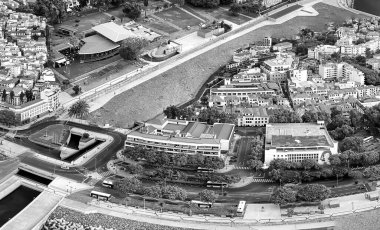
[100, 195]
[241, 208]
[211, 184]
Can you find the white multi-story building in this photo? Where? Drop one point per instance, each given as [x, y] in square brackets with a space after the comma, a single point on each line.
[341, 70]
[353, 50]
[345, 32]
[322, 51]
[298, 74]
[179, 136]
[51, 97]
[297, 141]
[252, 116]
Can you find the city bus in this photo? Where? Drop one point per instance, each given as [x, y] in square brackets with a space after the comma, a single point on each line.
[240, 208]
[108, 183]
[367, 139]
[201, 204]
[205, 170]
[211, 184]
[100, 195]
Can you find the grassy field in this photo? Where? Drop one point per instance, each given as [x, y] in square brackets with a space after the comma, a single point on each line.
[180, 84]
[223, 14]
[178, 17]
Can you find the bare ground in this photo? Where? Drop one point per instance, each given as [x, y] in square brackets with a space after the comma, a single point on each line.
[181, 83]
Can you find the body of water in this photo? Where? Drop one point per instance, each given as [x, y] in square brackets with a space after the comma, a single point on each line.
[368, 6]
[15, 202]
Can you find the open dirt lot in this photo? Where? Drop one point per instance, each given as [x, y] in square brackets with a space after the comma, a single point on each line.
[180, 84]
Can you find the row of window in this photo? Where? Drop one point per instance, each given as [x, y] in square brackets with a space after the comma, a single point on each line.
[215, 153]
[172, 145]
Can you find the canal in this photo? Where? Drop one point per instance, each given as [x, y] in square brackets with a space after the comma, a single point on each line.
[15, 202]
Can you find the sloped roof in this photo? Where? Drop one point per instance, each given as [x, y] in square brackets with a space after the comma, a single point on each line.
[113, 31]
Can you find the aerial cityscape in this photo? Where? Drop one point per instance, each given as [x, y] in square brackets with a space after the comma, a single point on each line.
[189, 114]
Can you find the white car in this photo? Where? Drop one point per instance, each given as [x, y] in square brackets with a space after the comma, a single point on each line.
[65, 167]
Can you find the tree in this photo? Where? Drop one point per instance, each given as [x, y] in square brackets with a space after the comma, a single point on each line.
[284, 195]
[226, 2]
[352, 143]
[313, 192]
[11, 96]
[29, 95]
[7, 117]
[368, 53]
[4, 95]
[309, 164]
[180, 159]
[370, 158]
[342, 132]
[77, 89]
[255, 164]
[289, 176]
[335, 160]
[205, 3]
[204, 100]
[146, 3]
[129, 185]
[54, 10]
[173, 192]
[208, 196]
[82, 3]
[172, 112]
[132, 10]
[163, 159]
[284, 116]
[22, 95]
[235, 9]
[79, 109]
[153, 191]
[132, 47]
[355, 174]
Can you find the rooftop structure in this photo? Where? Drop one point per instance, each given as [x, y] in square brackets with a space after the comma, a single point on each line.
[298, 141]
[113, 31]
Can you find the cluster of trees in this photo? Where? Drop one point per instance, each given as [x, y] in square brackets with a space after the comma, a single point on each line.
[132, 47]
[339, 125]
[54, 10]
[132, 10]
[294, 193]
[256, 156]
[283, 171]
[208, 115]
[7, 117]
[180, 159]
[134, 185]
[204, 3]
[24, 97]
[371, 76]
[284, 116]
[208, 196]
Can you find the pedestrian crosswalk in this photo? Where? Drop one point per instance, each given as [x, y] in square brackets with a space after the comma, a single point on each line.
[105, 174]
[241, 167]
[262, 180]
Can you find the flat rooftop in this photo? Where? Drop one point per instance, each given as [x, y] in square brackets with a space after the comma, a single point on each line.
[297, 135]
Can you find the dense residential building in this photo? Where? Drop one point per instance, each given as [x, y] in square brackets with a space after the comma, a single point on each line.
[180, 136]
[243, 92]
[345, 32]
[374, 63]
[298, 141]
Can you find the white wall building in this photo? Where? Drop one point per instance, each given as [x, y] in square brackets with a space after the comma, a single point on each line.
[252, 116]
[297, 141]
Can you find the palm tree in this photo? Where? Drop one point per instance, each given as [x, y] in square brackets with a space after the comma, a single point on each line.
[79, 109]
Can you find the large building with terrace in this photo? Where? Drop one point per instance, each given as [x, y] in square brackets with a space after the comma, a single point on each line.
[181, 136]
[298, 141]
[104, 44]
